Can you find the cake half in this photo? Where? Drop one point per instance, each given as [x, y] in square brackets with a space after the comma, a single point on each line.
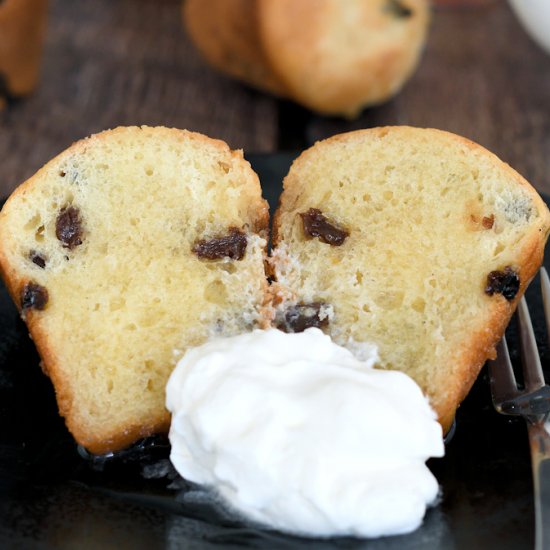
[129, 245]
[417, 240]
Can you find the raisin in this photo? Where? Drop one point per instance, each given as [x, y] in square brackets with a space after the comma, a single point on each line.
[503, 282]
[302, 316]
[68, 227]
[34, 296]
[398, 9]
[316, 225]
[232, 245]
[37, 258]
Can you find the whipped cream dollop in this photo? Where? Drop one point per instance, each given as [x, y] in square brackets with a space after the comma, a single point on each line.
[296, 433]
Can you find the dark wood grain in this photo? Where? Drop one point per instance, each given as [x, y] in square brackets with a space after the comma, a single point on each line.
[108, 63]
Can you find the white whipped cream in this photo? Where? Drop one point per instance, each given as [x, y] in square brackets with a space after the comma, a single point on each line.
[296, 433]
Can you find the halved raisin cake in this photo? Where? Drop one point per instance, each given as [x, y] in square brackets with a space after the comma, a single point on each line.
[417, 240]
[131, 244]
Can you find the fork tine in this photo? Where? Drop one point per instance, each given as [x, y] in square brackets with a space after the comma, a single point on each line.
[530, 361]
[545, 288]
[503, 381]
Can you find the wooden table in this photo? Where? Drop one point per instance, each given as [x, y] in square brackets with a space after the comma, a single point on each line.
[127, 62]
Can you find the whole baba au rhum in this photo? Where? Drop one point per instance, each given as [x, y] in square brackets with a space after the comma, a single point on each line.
[331, 56]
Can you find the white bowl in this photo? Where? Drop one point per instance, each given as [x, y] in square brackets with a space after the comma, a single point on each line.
[535, 17]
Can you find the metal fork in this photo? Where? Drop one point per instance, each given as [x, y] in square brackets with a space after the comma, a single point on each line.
[532, 402]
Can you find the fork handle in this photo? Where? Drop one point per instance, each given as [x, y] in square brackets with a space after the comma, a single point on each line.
[539, 440]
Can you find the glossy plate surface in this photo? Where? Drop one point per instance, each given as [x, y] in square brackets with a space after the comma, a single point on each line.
[53, 497]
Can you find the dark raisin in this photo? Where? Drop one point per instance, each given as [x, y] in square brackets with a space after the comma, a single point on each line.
[34, 296]
[316, 225]
[398, 9]
[503, 282]
[68, 227]
[302, 316]
[37, 258]
[232, 245]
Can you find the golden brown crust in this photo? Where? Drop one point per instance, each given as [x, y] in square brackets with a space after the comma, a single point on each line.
[470, 360]
[118, 441]
[22, 25]
[482, 346]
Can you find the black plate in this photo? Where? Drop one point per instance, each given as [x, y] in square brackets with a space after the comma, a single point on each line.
[53, 497]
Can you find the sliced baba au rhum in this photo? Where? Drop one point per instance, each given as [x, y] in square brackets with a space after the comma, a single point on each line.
[417, 240]
[140, 241]
[129, 245]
